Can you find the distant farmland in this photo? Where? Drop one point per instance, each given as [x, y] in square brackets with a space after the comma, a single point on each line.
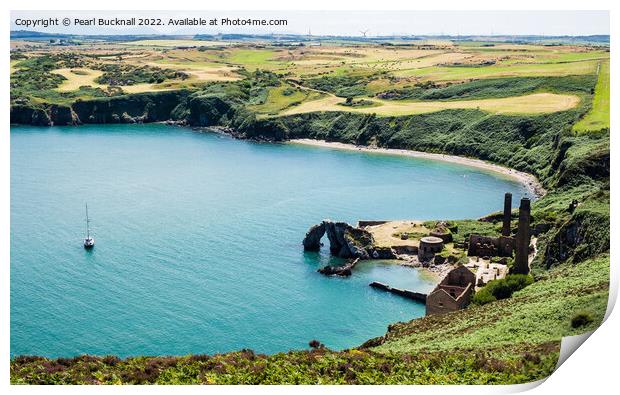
[374, 79]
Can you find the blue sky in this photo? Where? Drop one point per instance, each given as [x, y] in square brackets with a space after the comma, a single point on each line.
[352, 22]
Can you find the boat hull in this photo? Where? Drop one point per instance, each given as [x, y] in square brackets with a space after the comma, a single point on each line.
[89, 243]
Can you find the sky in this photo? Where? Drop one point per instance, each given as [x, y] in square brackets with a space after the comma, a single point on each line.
[341, 23]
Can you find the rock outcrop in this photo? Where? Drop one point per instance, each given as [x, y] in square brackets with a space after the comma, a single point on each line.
[344, 270]
[28, 115]
[583, 236]
[136, 108]
[345, 241]
[312, 241]
[43, 115]
[63, 115]
[442, 231]
[208, 110]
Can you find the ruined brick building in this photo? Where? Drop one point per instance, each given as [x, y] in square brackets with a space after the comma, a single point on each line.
[453, 293]
[506, 244]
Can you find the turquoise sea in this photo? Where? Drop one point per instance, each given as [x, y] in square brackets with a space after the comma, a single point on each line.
[198, 240]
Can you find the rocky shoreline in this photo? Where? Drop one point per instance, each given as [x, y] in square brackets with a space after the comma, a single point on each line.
[435, 270]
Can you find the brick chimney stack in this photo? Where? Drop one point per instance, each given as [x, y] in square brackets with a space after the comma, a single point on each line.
[507, 214]
[522, 242]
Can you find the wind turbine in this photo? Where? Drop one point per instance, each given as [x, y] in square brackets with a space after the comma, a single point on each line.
[364, 32]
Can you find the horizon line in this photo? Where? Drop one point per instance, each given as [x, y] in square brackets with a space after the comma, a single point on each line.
[314, 35]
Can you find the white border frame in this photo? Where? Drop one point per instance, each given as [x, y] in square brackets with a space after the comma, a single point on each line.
[591, 369]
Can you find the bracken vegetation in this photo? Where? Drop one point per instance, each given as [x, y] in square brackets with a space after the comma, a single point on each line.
[502, 288]
[493, 87]
[297, 367]
[115, 75]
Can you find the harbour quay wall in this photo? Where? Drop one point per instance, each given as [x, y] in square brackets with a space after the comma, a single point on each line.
[417, 296]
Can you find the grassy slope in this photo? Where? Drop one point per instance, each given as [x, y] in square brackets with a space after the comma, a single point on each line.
[598, 117]
[278, 99]
[536, 315]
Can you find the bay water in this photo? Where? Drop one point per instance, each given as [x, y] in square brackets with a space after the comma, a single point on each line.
[198, 240]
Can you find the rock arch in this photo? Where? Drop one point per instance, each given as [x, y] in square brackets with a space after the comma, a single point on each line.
[345, 241]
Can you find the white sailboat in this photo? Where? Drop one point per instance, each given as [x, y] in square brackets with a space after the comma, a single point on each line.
[89, 242]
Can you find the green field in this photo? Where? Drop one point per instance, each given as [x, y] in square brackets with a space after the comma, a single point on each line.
[75, 78]
[251, 58]
[283, 97]
[438, 73]
[598, 117]
[365, 72]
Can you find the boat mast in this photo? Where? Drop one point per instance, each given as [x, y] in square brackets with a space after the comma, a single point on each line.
[87, 228]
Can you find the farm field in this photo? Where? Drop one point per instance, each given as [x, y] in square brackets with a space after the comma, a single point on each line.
[201, 70]
[538, 103]
[598, 117]
[176, 43]
[510, 70]
[74, 78]
[387, 80]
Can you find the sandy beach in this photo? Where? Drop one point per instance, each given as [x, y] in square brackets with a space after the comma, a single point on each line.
[528, 180]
